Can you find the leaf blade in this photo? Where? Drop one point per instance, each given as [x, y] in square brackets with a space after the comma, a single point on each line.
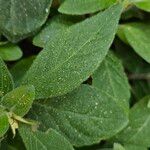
[4, 125]
[10, 52]
[80, 7]
[110, 78]
[21, 18]
[59, 61]
[44, 141]
[19, 100]
[137, 132]
[81, 116]
[6, 81]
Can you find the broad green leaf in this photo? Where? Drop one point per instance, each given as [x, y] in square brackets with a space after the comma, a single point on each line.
[4, 125]
[50, 140]
[80, 7]
[142, 4]
[51, 29]
[111, 79]
[20, 18]
[138, 35]
[73, 55]
[6, 82]
[19, 100]
[84, 117]
[20, 68]
[10, 52]
[137, 132]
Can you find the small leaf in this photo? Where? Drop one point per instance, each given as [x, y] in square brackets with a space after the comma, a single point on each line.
[10, 52]
[19, 100]
[4, 125]
[73, 55]
[138, 35]
[137, 132]
[111, 79]
[20, 18]
[80, 7]
[6, 82]
[84, 117]
[50, 140]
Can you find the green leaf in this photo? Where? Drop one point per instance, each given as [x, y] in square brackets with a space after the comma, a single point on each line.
[138, 70]
[121, 34]
[140, 88]
[6, 82]
[142, 4]
[20, 68]
[111, 79]
[138, 35]
[127, 55]
[134, 147]
[137, 132]
[118, 146]
[50, 140]
[19, 100]
[84, 117]
[51, 29]
[80, 7]
[10, 52]
[20, 18]
[128, 147]
[4, 125]
[73, 55]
